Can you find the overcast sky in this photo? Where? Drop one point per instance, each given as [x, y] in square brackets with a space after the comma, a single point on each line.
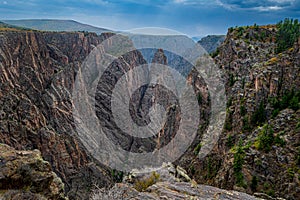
[192, 17]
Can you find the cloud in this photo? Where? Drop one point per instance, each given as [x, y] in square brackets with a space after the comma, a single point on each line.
[226, 5]
[180, 1]
[258, 5]
[195, 2]
[268, 8]
[98, 2]
[282, 1]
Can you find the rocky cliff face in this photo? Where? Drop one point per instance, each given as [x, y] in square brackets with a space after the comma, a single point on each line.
[258, 150]
[37, 71]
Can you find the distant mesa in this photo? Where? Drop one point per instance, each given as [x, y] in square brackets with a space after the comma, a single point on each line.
[9, 27]
[55, 25]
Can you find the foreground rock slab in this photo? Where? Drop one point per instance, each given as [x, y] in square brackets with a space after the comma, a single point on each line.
[173, 183]
[25, 175]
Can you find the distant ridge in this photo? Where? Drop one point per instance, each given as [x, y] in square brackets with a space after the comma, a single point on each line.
[55, 25]
[211, 42]
[4, 26]
[197, 38]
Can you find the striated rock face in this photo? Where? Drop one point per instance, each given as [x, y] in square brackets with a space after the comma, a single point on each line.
[25, 175]
[256, 78]
[144, 98]
[37, 71]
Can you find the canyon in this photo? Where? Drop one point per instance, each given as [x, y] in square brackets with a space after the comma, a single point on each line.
[37, 74]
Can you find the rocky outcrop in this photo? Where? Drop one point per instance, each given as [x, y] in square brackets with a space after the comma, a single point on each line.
[171, 184]
[25, 175]
[167, 190]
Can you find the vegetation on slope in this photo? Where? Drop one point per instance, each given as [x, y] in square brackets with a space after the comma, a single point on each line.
[261, 65]
[288, 32]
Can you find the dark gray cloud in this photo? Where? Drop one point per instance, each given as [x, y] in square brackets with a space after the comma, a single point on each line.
[267, 5]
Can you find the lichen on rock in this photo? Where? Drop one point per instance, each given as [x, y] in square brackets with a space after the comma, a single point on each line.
[25, 175]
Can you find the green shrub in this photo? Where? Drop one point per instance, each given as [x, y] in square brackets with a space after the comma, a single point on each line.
[271, 192]
[142, 185]
[228, 125]
[199, 98]
[212, 167]
[294, 103]
[247, 42]
[240, 31]
[238, 157]
[238, 163]
[197, 149]
[275, 112]
[192, 169]
[216, 53]
[117, 175]
[256, 27]
[243, 100]
[229, 102]
[230, 141]
[209, 168]
[265, 138]
[228, 121]
[298, 126]
[254, 183]
[239, 178]
[232, 80]
[298, 157]
[278, 140]
[243, 110]
[246, 125]
[243, 83]
[290, 173]
[290, 99]
[259, 115]
[268, 189]
[263, 36]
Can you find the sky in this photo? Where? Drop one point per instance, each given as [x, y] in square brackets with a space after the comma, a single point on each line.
[191, 17]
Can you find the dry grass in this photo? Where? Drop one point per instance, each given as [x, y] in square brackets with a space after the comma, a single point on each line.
[142, 185]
